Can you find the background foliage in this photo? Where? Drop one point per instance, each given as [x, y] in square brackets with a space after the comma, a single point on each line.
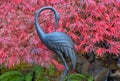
[94, 25]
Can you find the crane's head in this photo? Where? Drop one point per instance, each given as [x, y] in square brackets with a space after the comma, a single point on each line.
[57, 16]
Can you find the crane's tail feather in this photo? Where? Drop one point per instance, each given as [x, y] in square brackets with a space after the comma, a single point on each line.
[71, 54]
[74, 59]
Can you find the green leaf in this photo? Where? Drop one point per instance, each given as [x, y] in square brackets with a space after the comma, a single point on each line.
[29, 76]
[12, 76]
[91, 79]
[46, 79]
[78, 76]
[39, 72]
[51, 70]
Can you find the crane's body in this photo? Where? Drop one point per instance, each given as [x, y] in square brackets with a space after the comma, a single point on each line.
[58, 42]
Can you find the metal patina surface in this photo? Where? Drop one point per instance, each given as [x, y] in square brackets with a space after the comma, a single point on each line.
[60, 43]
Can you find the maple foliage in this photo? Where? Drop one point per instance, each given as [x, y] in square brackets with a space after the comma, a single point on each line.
[94, 25]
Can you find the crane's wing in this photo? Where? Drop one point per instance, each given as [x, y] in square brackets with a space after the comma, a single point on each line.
[62, 42]
[57, 39]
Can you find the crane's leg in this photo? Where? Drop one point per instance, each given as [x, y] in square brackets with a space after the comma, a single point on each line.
[68, 78]
[66, 71]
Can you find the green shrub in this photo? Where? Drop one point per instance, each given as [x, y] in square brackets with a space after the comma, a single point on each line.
[12, 76]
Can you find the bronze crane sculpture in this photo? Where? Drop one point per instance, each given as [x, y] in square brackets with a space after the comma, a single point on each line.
[59, 42]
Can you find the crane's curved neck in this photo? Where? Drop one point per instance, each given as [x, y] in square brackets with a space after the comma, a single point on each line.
[40, 32]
